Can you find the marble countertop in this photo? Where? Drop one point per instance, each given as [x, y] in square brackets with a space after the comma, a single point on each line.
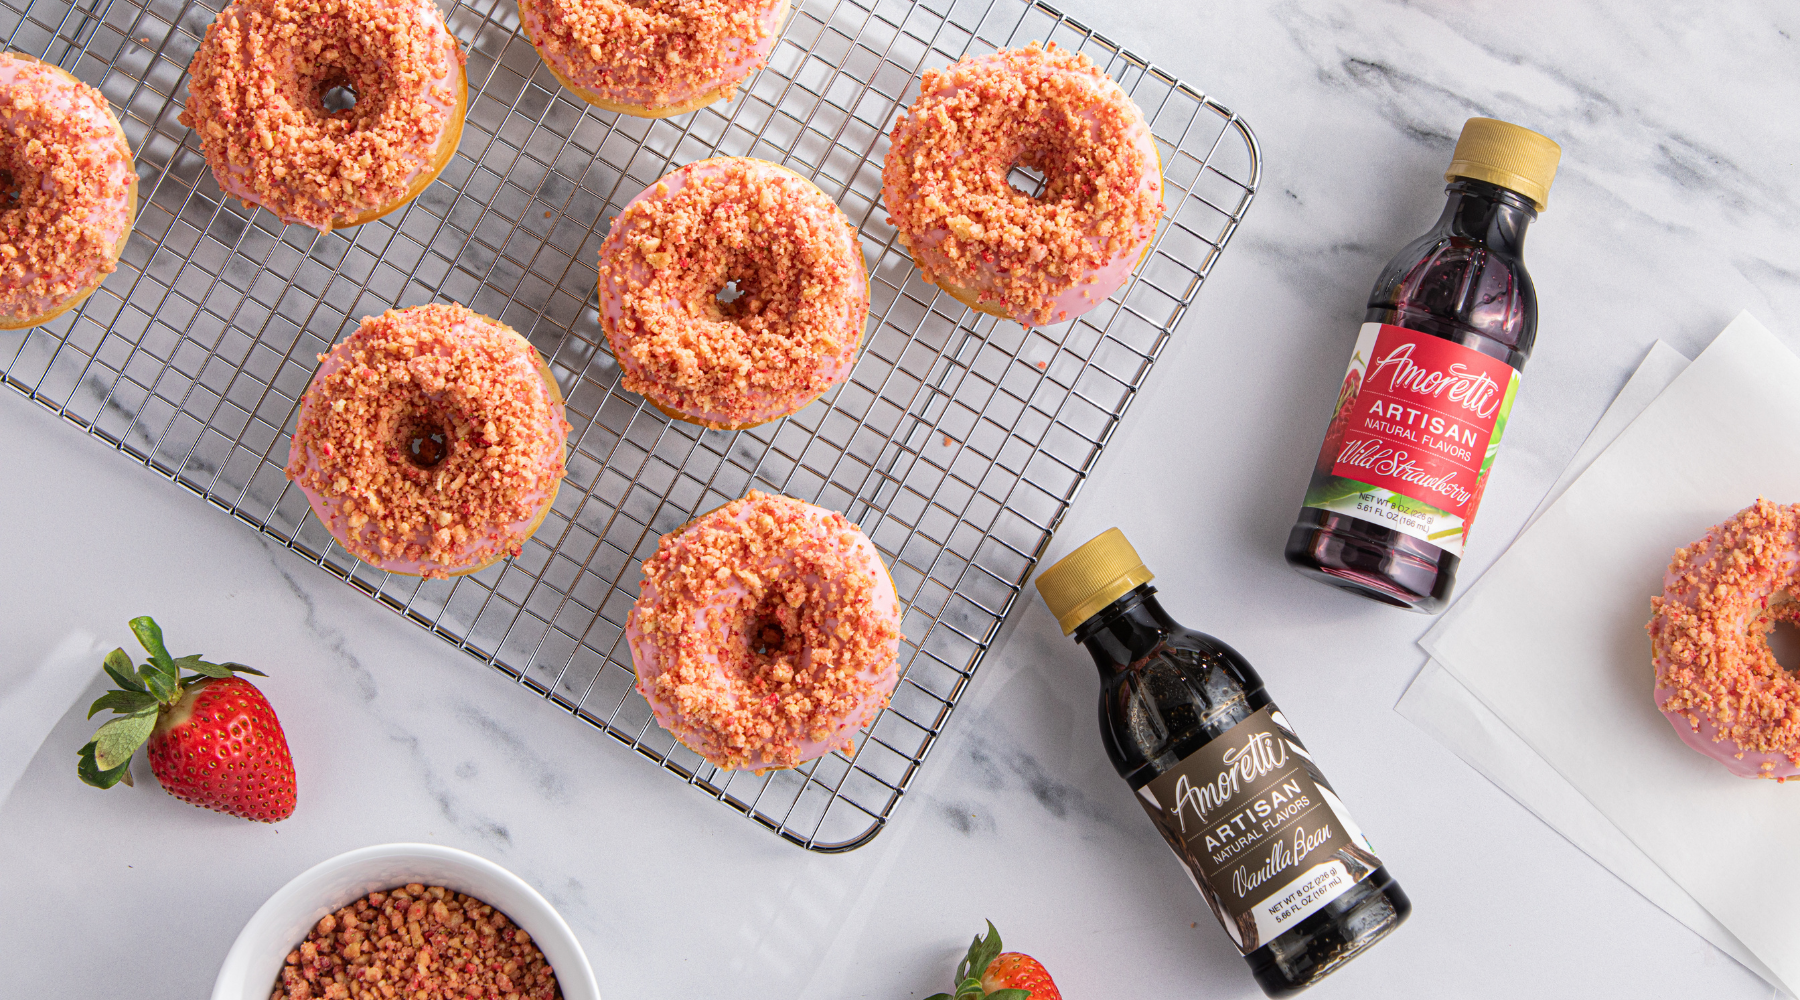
[1674, 208]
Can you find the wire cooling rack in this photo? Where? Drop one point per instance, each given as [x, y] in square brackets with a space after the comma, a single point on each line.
[958, 442]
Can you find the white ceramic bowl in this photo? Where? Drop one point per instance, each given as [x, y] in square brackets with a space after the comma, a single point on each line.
[282, 923]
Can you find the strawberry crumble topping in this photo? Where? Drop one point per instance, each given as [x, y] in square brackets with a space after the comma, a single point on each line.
[67, 189]
[1709, 631]
[652, 54]
[430, 440]
[418, 942]
[802, 298]
[765, 632]
[1037, 259]
[256, 98]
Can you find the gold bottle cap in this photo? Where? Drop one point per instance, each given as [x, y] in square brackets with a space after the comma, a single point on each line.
[1091, 577]
[1508, 155]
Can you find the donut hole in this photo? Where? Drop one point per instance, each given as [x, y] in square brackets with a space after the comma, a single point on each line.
[1784, 642]
[337, 96]
[1028, 180]
[727, 298]
[742, 301]
[16, 173]
[423, 441]
[1048, 169]
[776, 638]
[343, 98]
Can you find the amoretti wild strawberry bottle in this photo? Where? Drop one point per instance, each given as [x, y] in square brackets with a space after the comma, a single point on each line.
[1431, 382]
[1216, 765]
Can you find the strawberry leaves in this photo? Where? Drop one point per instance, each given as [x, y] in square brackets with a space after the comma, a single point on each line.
[145, 692]
[982, 952]
[149, 635]
[91, 774]
[118, 667]
[215, 670]
[115, 742]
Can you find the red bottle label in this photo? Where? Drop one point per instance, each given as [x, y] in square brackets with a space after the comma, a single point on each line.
[1417, 428]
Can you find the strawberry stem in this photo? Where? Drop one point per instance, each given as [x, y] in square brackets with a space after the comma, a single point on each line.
[982, 952]
[144, 695]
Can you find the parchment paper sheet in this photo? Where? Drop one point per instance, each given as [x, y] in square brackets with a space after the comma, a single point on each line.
[1439, 704]
[1553, 642]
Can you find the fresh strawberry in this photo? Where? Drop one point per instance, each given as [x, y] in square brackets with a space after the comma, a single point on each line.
[987, 973]
[213, 739]
[1017, 971]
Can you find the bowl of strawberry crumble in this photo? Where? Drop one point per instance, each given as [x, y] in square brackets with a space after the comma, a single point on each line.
[406, 920]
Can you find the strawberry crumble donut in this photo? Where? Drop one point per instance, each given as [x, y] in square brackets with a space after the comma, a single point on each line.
[68, 191]
[1716, 680]
[653, 58]
[795, 325]
[430, 441]
[1035, 260]
[261, 82]
[766, 633]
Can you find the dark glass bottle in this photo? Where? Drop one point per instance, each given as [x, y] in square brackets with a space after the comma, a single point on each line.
[1179, 704]
[1463, 282]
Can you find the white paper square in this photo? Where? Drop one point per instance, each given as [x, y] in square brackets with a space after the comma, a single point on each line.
[1555, 645]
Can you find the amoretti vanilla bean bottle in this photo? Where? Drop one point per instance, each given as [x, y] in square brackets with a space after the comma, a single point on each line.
[1432, 378]
[1224, 778]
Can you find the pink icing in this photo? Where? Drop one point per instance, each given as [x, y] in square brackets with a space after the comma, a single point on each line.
[1095, 284]
[495, 539]
[766, 405]
[1702, 733]
[440, 87]
[646, 656]
[736, 59]
[113, 213]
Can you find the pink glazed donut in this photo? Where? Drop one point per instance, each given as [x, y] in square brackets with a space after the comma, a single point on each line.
[1033, 260]
[430, 441]
[766, 633]
[256, 99]
[796, 324]
[73, 191]
[1716, 680]
[653, 58]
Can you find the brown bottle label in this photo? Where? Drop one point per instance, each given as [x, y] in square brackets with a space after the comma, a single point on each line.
[1258, 828]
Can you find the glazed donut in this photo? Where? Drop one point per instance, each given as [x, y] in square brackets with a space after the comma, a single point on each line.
[796, 325]
[1716, 680]
[430, 441]
[653, 58]
[68, 191]
[257, 99]
[766, 633]
[1033, 260]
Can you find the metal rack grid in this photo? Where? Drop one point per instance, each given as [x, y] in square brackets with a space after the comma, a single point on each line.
[958, 442]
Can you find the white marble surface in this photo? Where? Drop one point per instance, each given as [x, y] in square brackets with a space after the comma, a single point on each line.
[1674, 209]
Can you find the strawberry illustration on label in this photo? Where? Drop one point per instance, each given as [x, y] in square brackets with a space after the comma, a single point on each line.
[1340, 419]
[1475, 504]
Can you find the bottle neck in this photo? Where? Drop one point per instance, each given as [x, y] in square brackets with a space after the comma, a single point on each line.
[1126, 630]
[1495, 216]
